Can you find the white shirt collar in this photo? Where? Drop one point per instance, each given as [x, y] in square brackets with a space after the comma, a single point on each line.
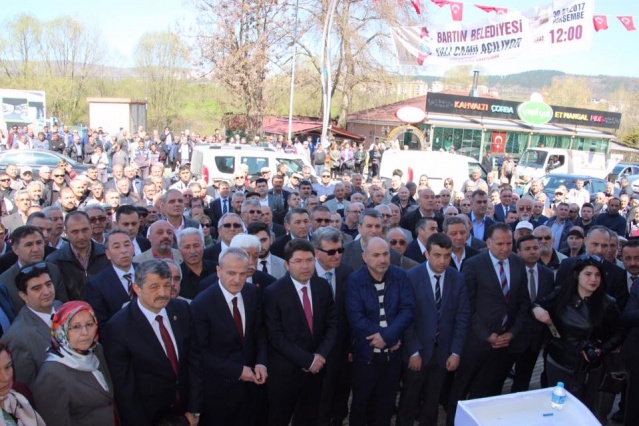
[44, 317]
[228, 296]
[495, 260]
[150, 315]
[432, 274]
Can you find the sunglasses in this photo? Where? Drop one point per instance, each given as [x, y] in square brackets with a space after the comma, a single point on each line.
[26, 270]
[206, 225]
[5, 180]
[97, 219]
[590, 258]
[143, 214]
[58, 175]
[232, 225]
[332, 252]
[395, 242]
[546, 238]
[522, 208]
[323, 220]
[253, 211]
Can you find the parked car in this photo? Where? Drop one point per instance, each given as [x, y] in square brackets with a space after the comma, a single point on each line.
[552, 181]
[623, 170]
[36, 158]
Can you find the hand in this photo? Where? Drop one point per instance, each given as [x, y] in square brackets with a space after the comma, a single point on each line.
[503, 341]
[260, 374]
[376, 341]
[452, 362]
[415, 363]
[397, 345]
[492, 339]
[318, 364]
[193, 421]
[542, 315]
[247, 375]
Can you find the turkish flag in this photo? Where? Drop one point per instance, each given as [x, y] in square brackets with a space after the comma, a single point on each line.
[457, 10]
[441, 3]
[416, 5]
[600, 22]
[628, 22]
[498, 142]
[497, 10]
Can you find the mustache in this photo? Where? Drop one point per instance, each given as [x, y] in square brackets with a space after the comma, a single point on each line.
[161, 299]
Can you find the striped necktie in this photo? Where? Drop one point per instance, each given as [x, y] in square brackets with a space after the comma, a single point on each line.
[505, 290]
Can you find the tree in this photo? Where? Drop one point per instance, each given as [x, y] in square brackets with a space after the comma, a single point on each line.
[21, 47]
[568, 91]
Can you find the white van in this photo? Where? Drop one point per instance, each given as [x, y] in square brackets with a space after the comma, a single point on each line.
[215, 161]
[434, 164]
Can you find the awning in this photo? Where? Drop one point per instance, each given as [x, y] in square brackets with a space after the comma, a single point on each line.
[281, 128]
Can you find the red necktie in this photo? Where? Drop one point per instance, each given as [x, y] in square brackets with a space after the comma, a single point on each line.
[237, 318]
[306, 303]
[168, 344]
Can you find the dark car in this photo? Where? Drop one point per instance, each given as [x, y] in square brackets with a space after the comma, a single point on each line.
[552, 181]
[36, 158]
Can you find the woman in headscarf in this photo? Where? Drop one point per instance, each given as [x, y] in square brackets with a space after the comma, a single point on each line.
[14, 407]
[73, 386]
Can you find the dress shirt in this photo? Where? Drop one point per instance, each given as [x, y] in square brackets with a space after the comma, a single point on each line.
[44, 317]
[269, 264]
[298, 287]
[496, 266]
[150, 316]
[136, 247]
[431, 275]
[459, 261]
[240, 305]
[422, 247]
[479, 227]
[120, 273]
[321, 272]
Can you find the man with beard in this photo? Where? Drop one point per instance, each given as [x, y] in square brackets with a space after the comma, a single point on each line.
[194, 268]
[549, 257]
[161, 237]
[267, 263]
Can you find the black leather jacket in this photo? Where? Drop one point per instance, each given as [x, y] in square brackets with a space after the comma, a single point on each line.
[575, 327]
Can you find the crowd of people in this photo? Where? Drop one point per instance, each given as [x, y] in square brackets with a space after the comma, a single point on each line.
[151, 300]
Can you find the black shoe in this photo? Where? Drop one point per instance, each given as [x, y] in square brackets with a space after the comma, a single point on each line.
[618, 417]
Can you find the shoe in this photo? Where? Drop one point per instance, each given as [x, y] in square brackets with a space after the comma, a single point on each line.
[618, 417]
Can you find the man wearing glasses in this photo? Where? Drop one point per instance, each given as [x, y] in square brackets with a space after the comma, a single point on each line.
[324, 187]
[97, 218]
[549, 257]
[228, 226]
[351, 218]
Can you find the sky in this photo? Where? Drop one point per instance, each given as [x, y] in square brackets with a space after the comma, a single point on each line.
[123, 22]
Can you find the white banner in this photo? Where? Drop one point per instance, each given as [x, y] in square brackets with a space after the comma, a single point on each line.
[561, 27]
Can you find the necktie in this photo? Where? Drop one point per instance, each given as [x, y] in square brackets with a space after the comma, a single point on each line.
[237, 318]
[129, 281]
[438, 295]
[168, 345]
[532, 285]
[225, 208]
[329, 278]
[633, 278]
[264, 268]
[505, 290]
[306, 304]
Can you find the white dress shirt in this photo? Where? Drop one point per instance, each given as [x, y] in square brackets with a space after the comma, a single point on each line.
[496, 266]
[321, 272]
[44, 317]
[240, 305]
[298, 287]
[150, 316]
[120, 273]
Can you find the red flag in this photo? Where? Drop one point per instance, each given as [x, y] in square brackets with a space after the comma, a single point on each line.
[600, 22]
[416, 5]
[457, 10]
[628, 22]
[441, 3]
[497, 10]
[498, 142]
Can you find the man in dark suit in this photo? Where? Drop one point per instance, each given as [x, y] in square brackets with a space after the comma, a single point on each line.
[302, 328]
[433, 343]
[500, 303]
[597, 243]
[297, 223]
[630, 351]
[506, 205]
[541, 282]
[229, 226]
[274, 202]
[426, 209]
[221, 205]
[560, 225]
[478, 219]
[128, 218]
[328, 245]
[426, 227]
[230, 343]
[6, 310]
[110, 289]
[456, 227]
[147, 346]
[194, 268]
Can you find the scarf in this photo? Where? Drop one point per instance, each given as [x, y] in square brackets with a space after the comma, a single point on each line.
[18, 406]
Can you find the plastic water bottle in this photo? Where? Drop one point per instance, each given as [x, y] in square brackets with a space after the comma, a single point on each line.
[558, 396]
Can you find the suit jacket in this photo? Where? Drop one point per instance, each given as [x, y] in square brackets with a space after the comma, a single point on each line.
[213, 252]
[9, 258]
[223, 353]
[106, 294]
[488, 222]
[332, 205]
[499, 212]
[476, 243]
[148, 255]
[284, 195]
[143, 243]
[65, 395]
[278, 267]
[259, 280]
[413, 251]
[630, 318]
[291, 343]
[8, 279]
[278, 230]
[469, 252]
[538, 332]
[353, 256]
[144, 383]
[452, 324]
[614, 278]
[275, 203]
[564, 232]
[487, 302]
[5, 305]
[28, 339]
[410, 219]
[277, 248]
[215, 207]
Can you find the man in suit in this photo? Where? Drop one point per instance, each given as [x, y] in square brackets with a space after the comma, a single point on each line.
[434, 342]
[228, 227]
[110, 289]
[370, 226]
[128, 218]
[506, 205]
[560, 225]
[597, 243]
[147, 345]
[161, 237]
[267, 217]
[541, 282]
[426, 209]
[456, 227]
[478, 219]
[416, 250]
[302, 328]
[230, 342]
[30, 335]
[267, 262]
[222, 204]
[339, 203]
[275, 203]
[328, 245]
[497, 289]
[297, 224]
[380, 307]
[630, 348]
[22, 202]
[81, 257]
[29, 248]
[173, 210]
[195, 268]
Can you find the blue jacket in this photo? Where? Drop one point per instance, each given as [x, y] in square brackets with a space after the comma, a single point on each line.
[362, 309]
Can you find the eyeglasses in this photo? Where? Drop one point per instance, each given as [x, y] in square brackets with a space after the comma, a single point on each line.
[326, 176]
[143, 214]
[386, 215]
[396, 242]
[232, 225]
[546, 238]
[206, 225]
[88, 327]
[5, 180]
[354, 211]
[522, 208]
[239, 177]
[322, 220]
[253, 211]
[96, 219]
[573, 211]
[58, 175]
[332, 252]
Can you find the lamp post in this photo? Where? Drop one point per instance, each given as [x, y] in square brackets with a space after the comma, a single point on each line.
[290, 104]
[325, 67]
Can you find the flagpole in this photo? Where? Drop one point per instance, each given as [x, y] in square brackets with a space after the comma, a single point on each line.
[290, 104]
[325, 68]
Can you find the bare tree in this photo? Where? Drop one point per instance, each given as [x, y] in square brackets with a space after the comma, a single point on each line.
[20, 47]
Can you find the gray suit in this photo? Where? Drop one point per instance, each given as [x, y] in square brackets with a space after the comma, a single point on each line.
[67, 396]
[278, 270]
[8, 278]
[275, 202]
[28, 339]
[148, 255]
[332, 204]
[353, 257]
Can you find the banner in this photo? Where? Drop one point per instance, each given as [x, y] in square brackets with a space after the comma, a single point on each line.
[564, 26]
